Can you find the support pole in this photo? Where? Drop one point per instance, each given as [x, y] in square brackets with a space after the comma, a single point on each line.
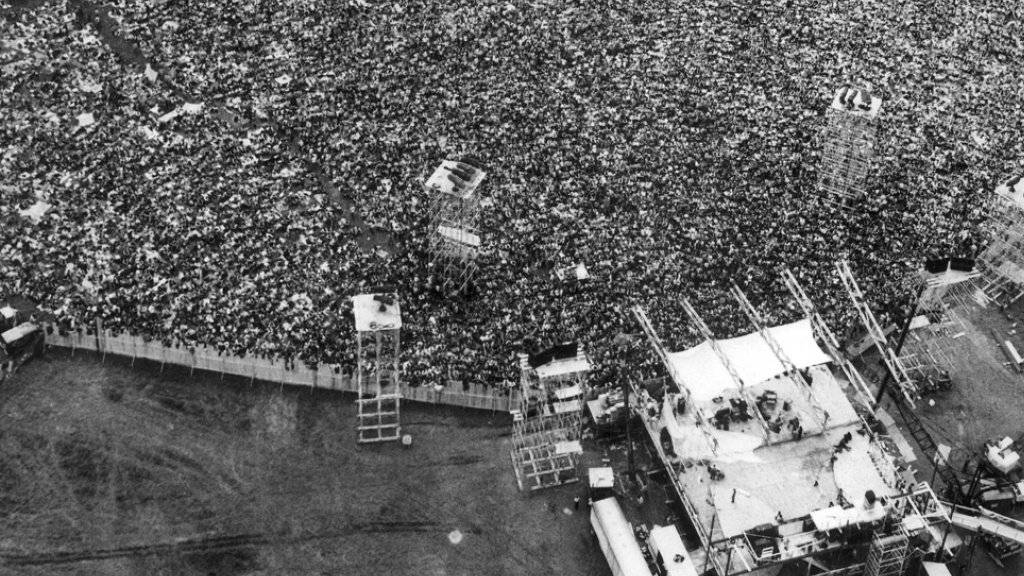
[899, 343]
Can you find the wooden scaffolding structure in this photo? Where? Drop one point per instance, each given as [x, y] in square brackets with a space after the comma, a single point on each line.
[378, 346]
[849, 141]
[454, 235]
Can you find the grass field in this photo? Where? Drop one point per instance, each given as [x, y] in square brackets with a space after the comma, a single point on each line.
[106, 469]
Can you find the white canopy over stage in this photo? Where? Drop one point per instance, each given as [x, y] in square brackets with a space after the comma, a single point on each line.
[750, 355]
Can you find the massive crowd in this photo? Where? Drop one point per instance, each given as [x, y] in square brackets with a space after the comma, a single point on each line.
[253, 163]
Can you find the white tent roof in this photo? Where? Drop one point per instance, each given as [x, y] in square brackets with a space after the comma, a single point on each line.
[750, 356]
[20, 331]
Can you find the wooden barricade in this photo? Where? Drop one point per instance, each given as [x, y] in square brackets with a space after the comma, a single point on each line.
[477, 396]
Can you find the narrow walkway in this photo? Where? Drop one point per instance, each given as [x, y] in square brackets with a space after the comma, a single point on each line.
[987, 522]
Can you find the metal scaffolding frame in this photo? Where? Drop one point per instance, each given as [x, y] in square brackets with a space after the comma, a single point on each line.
[892, 362]
[887, 555]
[543, 454]
[685, 389]
[911, 511]
[545, 446]
[849, 140]
[378, 347]
[759, 324]
[1002, 262]
[828, 338]
[454, 235]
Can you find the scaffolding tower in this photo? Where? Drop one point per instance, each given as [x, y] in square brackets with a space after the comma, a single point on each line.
[887, 555]
[849, 140]
[1002, 261]
[546, 430]
[454, 223]
[378, 321]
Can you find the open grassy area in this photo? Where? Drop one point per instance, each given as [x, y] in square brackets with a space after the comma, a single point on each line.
[110, 470]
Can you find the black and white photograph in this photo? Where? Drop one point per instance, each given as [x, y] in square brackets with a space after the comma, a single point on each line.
[511, 288]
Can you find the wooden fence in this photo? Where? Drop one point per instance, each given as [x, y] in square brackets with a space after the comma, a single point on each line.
[478, 395]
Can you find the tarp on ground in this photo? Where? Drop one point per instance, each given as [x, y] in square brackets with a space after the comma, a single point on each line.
[754, 362]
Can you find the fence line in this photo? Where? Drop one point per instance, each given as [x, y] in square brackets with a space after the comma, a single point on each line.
[477, 395]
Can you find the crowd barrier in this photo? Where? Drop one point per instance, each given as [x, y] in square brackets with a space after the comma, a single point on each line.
[475, 395]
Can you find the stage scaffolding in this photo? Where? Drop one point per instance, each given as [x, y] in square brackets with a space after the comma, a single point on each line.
[378, 320]
[914, 510]
[886, 555]
[546, 430]
[454, 223]
[849, 140]
[1002, 263]
[904, 382]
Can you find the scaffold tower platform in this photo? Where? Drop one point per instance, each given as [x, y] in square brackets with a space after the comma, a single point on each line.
[546, 430]
[454, 223]
[378, 320]
[849, 140]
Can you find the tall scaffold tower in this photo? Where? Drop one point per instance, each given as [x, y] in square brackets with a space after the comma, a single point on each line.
[547, 428]
[849, 142]
[378, 320]
[454, 222]
[1002, 261]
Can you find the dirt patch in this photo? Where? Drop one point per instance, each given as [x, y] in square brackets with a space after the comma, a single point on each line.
[143, 486]
[85, 466]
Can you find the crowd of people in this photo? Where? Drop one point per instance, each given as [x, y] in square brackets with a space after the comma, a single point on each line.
[230, 173]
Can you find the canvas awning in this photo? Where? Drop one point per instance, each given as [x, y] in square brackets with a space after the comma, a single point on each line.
[751, 357]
